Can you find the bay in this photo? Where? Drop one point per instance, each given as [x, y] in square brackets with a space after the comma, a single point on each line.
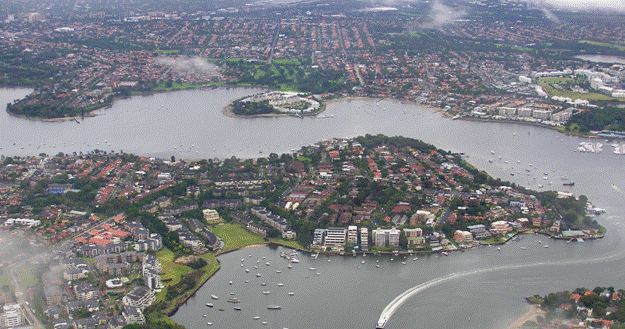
[347, 293]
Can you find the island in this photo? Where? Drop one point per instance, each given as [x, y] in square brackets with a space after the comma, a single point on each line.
[275, 103]
[142, 234]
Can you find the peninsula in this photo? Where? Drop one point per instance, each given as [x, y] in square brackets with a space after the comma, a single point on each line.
[146, 231]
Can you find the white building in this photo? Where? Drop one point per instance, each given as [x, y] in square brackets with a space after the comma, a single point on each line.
[13, 316]
[319, 236]
[139, 297]
[211, 215]
[352, 235]
[364, 237]
[335, 236]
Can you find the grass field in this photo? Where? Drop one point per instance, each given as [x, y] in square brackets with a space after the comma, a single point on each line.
[603, 44]
[545, 83]
[235, 237]
[171, 270]
[28, 274]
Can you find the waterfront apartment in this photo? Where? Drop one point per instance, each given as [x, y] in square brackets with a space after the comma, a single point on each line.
[335, 236]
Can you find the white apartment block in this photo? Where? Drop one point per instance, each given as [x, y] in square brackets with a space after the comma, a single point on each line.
[352, 235]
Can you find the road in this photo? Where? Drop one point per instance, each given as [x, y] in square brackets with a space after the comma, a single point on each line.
[19, 295]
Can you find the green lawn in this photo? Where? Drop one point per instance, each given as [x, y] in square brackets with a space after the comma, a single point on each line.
[235, 236]
[28, 274]
[171, 270]
[603, 44]
[289, 243]
[286, 61]
[571, 94]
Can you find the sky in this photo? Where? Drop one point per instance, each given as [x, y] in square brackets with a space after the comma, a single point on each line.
[616, 5]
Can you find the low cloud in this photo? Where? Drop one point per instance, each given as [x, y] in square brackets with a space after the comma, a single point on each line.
[441, 15]
[188, 65]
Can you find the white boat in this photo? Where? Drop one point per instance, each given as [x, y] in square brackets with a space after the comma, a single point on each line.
[414, 259]
[266, 292]
[209, 305]
[291, 293]
[312, 268]
[381, 323]
[264, 322]
[258, 275]
[230, 282]
[546, 246]
[498, 249]
[214, 297]
[580, 240]
[273, 307]
[278, 271]
[289, 266]
[263, 284]
[280, 284]
[209, 323]
[247, 270]
[362, 262]
[267, 263]
[377, 265]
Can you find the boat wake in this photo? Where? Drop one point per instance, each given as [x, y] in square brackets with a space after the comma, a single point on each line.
[394, 305]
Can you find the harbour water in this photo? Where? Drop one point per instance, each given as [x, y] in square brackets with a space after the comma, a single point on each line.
[487, 291]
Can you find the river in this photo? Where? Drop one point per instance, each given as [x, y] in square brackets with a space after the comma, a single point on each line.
[347, 293]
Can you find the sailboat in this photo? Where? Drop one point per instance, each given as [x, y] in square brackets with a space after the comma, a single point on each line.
[257, 317]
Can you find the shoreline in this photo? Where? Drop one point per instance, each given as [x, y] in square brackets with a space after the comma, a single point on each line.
[227, 111]
[531, 315]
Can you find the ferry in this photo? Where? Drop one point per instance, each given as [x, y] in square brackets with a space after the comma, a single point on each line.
[381, 323]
